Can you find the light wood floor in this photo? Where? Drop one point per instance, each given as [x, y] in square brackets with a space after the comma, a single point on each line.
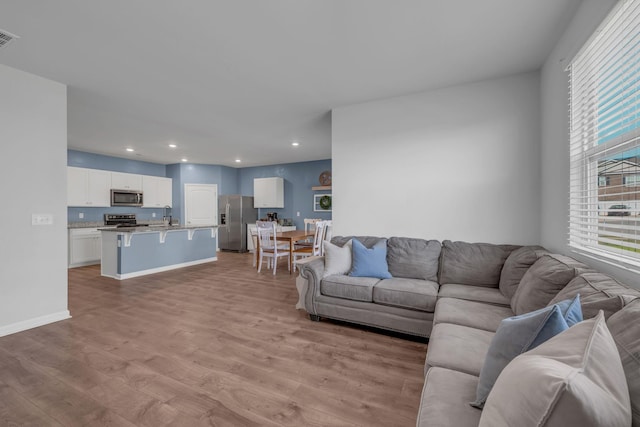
[216, 344]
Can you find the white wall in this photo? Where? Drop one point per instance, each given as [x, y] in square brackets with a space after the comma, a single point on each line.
[33, 131]
[555, 136]
[459, 163]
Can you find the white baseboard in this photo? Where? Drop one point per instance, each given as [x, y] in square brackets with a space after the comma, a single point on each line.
[34, 323]
[161, 269]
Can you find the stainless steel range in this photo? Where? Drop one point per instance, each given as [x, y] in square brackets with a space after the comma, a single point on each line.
[122, 220]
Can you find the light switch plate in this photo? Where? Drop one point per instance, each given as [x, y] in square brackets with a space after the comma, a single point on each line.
[41, 219]
[81, 215]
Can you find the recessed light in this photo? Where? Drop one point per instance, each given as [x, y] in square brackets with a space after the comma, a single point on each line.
[295, 144]
[130, 150]
[184, 160]
[172, 145]
[238, 160]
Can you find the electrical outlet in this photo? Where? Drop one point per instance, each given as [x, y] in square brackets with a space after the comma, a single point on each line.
[297, 213]
[41, 219]
[153, 214]
[81, 215]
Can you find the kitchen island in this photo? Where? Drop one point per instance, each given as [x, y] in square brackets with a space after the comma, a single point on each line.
[136, 251]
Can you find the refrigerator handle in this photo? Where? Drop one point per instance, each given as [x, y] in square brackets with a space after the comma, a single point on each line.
[226, 211]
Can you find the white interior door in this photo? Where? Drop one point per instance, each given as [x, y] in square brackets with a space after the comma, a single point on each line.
[201, 204]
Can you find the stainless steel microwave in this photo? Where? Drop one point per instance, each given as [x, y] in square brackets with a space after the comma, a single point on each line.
[126, 198]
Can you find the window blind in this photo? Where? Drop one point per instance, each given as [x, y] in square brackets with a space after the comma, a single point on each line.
[604, 146]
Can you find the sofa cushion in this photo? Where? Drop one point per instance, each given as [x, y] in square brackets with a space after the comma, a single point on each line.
[367, 241]
[477, 264]
[518, 334]
[470, 313]
[458, 347]
[625, 329]
[354, 288]
[413, 258]
[407, 293]
[445, 397]
[473, 293]
[609, 306]
[542, 282]
[574, 379]
[515, 266]
[337, 259]
[597, 292]
[369, 262]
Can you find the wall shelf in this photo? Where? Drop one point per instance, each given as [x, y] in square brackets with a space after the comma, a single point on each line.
[321, 187]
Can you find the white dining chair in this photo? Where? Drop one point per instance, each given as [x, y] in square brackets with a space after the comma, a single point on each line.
[315, 249]
[328, 233]
[270, 248]
[309, 224]
[254, 239]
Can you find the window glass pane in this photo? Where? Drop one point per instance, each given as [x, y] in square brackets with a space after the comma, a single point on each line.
[605, 140]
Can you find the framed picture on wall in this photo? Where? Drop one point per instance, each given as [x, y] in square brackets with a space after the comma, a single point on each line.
[322, 202]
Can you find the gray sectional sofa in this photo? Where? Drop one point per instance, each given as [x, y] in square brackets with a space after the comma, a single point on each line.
[458, 293]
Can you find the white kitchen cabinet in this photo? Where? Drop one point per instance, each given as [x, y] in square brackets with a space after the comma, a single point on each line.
[126, 181]
[252, 230]
[88, 187]
[268, 192]
[85, 246]
[157, 191]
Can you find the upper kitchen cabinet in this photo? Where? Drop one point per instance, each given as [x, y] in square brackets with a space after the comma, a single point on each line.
[126, 181]
[157, 192]
[88, 187]
[268, 192]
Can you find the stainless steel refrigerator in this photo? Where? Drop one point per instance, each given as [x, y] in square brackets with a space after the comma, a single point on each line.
[235, 213]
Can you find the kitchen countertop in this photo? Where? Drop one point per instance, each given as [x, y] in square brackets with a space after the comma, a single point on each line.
[156, 228]
[100, 224]
[86, 224]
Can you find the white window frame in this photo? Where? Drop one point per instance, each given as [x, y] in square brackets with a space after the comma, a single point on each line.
[605, 126]
[631, 180]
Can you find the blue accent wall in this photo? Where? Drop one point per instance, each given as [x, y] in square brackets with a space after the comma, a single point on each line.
[230, 177]
[146, 252]
[224, 177]
[97, 214]
[298, 180]
[116, 164]
[174, 172]
[298, 195]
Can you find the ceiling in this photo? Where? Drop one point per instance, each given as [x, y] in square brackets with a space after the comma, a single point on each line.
[243, 79]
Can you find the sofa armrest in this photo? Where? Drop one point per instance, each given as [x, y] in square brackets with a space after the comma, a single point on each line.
[311, 270]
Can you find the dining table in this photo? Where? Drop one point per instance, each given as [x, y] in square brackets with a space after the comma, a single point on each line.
[291, 237]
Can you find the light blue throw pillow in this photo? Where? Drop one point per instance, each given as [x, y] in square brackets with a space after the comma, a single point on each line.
[369, 262]
[519, 334]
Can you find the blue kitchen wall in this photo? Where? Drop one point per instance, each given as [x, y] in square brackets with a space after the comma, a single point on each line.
[224, 177]
[116, 164]
[146, 253]
[298, 180]
[98, 161]
[298, 195]
[174, 172]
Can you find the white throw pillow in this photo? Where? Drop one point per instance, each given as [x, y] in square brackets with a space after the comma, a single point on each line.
[574, 379]
[337, 260]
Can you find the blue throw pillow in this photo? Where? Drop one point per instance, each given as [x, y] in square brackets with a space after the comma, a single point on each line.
[519, 334]
[369, 262]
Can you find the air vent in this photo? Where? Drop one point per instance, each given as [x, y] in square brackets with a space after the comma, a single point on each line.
[6, 38]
